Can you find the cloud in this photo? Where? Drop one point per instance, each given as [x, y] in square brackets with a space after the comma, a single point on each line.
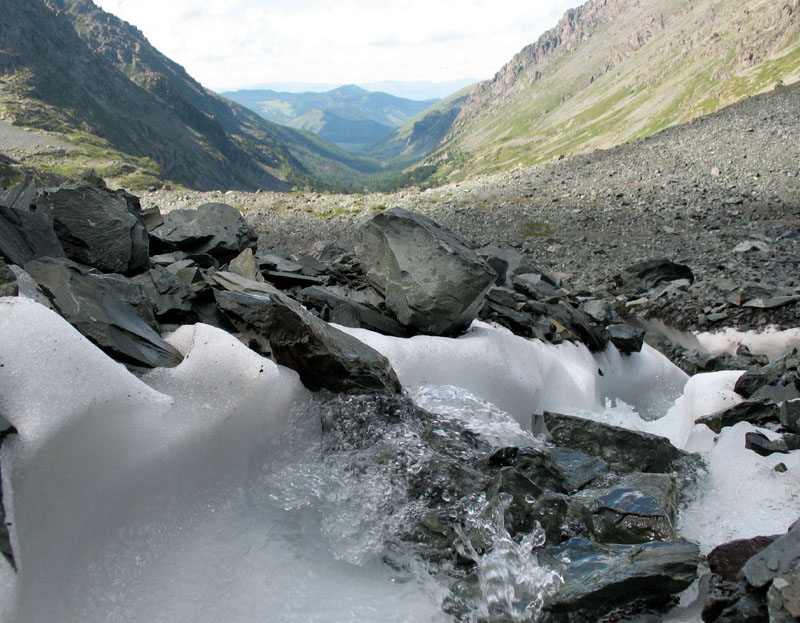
[233, 43]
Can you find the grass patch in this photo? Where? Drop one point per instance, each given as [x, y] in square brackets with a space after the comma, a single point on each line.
[537, 229]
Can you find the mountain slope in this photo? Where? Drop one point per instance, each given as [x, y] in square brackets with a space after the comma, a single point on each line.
[616, 70]
[348, 102]
[346, 133]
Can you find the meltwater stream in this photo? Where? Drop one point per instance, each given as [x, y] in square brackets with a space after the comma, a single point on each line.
[223, 490]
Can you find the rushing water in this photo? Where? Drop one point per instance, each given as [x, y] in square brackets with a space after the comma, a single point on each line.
[223, 490]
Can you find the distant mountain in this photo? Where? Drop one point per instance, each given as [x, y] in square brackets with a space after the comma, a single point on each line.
[348, 116]
[95, 82]
[413, 90]
[612, 71]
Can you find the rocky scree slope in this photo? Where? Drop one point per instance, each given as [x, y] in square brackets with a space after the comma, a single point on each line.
[616, 70]
[720, 194]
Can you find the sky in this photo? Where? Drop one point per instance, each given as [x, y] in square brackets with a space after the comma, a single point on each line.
[226, 44]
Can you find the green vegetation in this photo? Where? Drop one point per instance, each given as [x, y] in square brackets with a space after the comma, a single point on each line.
[535, 229]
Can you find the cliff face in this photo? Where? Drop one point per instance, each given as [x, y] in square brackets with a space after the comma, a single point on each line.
[615, 70]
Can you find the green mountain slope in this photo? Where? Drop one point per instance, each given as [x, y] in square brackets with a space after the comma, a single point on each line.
[612, 71]
[348, 134]
[348, 102]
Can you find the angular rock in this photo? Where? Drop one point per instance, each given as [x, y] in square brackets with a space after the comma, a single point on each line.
[348, 313]
[98, 227]
[624, 450]
[726, 560]
[98, 313]
[25, 236]
[783, 596]
[598, 579]
[626, 338]
[21, 196]
[789, 414]
[152, 218]
[245, 265]
[578, 469]
[650, 273]
[430, 278]
[170, 296]
[638, 509]
[8, 280]
[507, 263]
[775, 559]
[323, 356]
[757, 412]
[214, 229]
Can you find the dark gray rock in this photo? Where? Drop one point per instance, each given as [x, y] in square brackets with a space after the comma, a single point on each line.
[21, 196]
[25, 236]
[624, 450]
[577, 468]
[430, 278]
[507, 263]
[626, 338]
[783, 596]
[170, 296]
[8, 280]
[601, 579]
[757, 412]
[94, 309]
[789, 414]
[348, 313]
[639, 508]
[98, 227]
[323, 356]
[647, 274]
[214, 229]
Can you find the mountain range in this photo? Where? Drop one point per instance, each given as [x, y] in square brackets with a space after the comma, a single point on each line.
[611, 71]
[348, 116]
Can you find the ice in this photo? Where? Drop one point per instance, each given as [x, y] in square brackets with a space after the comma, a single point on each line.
[772, 342]
[523, 377]
[196, 494]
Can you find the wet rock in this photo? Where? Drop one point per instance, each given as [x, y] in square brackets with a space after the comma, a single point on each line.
[645, 275]
[624, 450]
[601, 579]
[578, 469]
[757, 412]
[170, 296]
[8, 280]
[97, 226]
[639, 508]
[25, 236]
[214, 229]
[430, 278]
[626, 338]
[346, 312]
[94, 309]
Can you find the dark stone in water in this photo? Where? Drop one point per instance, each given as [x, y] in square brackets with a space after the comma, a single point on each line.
[602, 579]
[624, 450]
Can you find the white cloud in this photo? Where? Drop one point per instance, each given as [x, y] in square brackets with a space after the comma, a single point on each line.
[234, 43]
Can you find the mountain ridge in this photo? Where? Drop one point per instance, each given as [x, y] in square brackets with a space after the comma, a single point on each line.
[616, 70]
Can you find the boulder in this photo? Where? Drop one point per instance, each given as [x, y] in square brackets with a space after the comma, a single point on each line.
[25, 236]
[430, 278]
[21, 196]
[624, 450]
[626, 338]
[323, 356]
[245, 265]
[214, 229]
[777, 558]
[601, 579]
[95, 310]
[97, 226]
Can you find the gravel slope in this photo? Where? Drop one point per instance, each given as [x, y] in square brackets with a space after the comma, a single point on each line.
[692, 193]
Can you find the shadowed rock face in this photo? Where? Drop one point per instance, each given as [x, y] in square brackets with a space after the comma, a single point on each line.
[431, 279]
